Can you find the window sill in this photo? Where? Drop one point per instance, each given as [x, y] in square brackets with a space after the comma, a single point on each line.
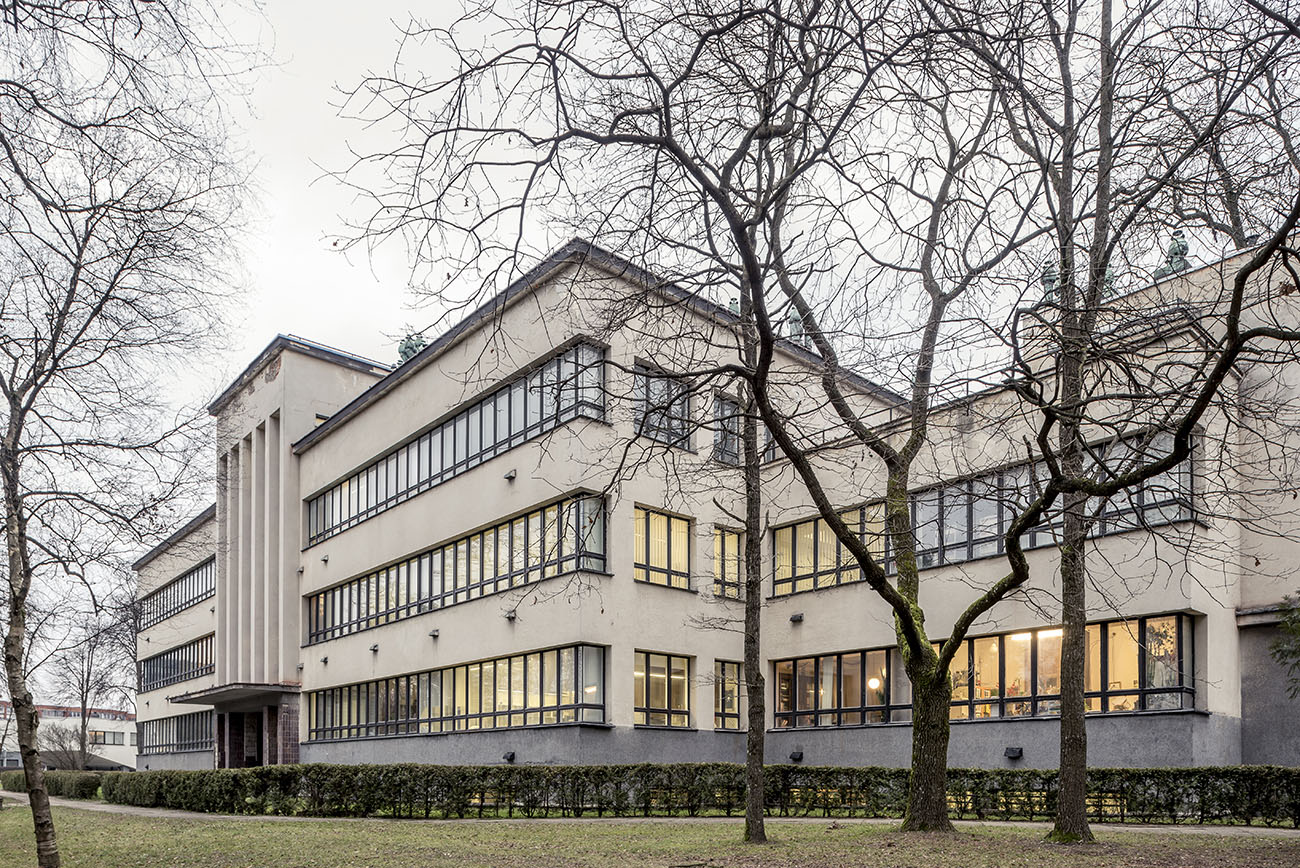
[665, 728]
[892, 576]
[1041, 718]
[565, 725]
[686, 590]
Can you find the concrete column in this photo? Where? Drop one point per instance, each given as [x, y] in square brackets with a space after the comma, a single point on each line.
[256, 624]
[289, 532]
[222, 567]
[273, 578]
[245, 549]
[232, 537]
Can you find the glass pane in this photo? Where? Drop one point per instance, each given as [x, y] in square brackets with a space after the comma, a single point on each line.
[1162, 652]
[1018, 666]
[826, 697]
[550, 678]
[1049, 660]
[567, 675]
[681, 545]
[593, 675]
[851, 680]
[1122, 656]
[658, 674]
[783, 562]
[876, 674]
[826, 548]
[804, 548]
[987, 683]
[785, 686]
[1092, 662]
[900, 686]
[638, 682]
[658, 540]
[805, 687]
[680, 684]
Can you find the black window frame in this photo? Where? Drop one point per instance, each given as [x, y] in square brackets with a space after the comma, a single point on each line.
[568, 384]
[641, 565]
[438, 701]
[189, 588]
[727, 672]
[666, 717]
[665, 419]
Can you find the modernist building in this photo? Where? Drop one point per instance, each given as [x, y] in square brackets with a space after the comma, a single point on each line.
[473, 555]
[111, 734]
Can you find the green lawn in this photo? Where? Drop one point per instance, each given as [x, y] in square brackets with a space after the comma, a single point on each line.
[98, 840]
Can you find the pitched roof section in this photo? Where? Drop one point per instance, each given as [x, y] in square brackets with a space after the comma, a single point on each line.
[188, 527]
[577, 251]
[298, 345]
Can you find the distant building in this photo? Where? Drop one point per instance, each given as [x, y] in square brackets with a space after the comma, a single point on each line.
[418, 564]
[111, 736]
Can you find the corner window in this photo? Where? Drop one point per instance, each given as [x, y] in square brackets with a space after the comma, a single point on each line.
[663, 549]
[661, 690]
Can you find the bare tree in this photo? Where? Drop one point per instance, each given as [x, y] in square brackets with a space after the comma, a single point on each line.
[116, 199]
[737, 148]
[1136, 118]
[91, 671]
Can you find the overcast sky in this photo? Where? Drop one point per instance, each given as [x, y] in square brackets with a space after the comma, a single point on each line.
[297, 283]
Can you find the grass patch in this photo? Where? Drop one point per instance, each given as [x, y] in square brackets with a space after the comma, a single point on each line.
[94, 840]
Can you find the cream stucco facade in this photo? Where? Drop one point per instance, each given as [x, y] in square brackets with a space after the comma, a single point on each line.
[476, 596]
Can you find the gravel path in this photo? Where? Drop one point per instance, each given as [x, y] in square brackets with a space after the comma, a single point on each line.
[105, 808]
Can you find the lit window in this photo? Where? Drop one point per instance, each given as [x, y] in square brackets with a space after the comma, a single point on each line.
[663, 548]
[1008, 675]
[661, 690]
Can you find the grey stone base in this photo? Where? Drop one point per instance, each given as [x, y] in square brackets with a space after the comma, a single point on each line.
[559, 745]
[187, 761]
[1132, 740]
[1136, 740]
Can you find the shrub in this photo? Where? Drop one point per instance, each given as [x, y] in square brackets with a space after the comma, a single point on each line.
[70, 785]
[1243, 794]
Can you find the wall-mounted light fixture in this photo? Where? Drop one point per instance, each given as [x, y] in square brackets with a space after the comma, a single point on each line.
[796, 756]
[300, 666]
[511, 615]
[796, 618]
[433, 634]
[325, 660]
[511, 474]
[324, 559]
[509, 756]
[301, 570]
[1014, 753]
[374, 649]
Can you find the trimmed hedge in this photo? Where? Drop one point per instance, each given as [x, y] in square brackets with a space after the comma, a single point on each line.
[1240, 794]
[69, 785]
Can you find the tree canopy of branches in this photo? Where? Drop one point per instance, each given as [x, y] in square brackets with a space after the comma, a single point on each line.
[880, 179]
[117, 195]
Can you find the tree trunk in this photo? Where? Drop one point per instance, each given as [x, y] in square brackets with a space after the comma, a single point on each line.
[20, 582]
[1071, 824]
[755, 691]
[927, 794]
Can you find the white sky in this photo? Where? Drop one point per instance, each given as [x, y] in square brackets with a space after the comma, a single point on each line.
[296, 282]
